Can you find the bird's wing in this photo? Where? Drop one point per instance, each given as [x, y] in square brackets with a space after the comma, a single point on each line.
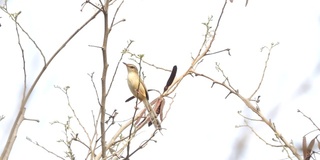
[145, 90]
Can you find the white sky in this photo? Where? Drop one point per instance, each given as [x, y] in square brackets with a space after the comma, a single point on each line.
[201, 123]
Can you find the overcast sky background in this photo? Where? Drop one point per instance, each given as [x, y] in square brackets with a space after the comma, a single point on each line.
[201, 123]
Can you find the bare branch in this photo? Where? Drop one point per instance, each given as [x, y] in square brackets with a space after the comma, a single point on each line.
[267, 143]
[95, 88]
[65, 91]
[39, 145]
[199, 57]
[114, 17]
[105, 10]
[268, 122]
[309, 119]
[265, 67]
[14, 18]
[115, 72]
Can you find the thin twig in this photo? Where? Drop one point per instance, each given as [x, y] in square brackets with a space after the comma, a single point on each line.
[145, 62]
[130, 131]
[44, 148]
[207, 34]
[224, 50]
[65, 91]
[14, 18]
[268, 122]
[257, 135]
[247, 118]
[224, 75]
[265, 68]
[114, 17]
[143, 144]
[115, 72]
[23, 59]
[135, 111]
[309, 119]
[199, 57]
[95, 88]
[172, 100]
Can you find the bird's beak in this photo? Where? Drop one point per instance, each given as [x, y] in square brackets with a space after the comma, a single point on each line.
[125, 63]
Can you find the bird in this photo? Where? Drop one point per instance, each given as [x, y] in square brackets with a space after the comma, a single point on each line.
[139, 90]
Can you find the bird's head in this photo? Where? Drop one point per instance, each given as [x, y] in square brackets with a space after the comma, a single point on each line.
[131, 67]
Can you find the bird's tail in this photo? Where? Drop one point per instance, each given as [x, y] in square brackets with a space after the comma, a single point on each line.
[152, 114]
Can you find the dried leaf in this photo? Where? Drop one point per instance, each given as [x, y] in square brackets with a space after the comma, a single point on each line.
[171, 78]
[129, 99]
[310, 146]
[318, 144]
[307, 150]
[157, 107]
[304, 147]
[161, 109]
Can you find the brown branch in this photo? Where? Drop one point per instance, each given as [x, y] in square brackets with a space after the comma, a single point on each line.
[198, 57]
[104, 90]
[105, 10]
[268, 122]
[14, 130]
[14, 18]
